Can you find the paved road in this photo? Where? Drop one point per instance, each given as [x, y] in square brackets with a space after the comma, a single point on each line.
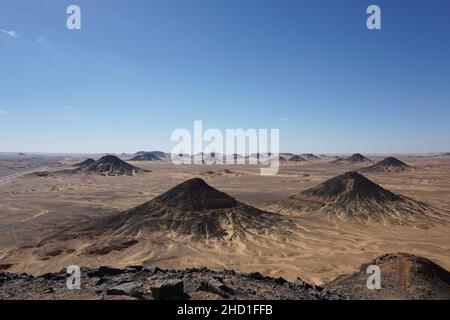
[6, 179]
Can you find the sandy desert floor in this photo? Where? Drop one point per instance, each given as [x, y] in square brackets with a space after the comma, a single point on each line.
[32, 207]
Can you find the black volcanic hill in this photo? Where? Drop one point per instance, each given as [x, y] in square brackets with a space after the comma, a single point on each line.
[146, 156]
[350, 187]
[297, 158]
[111, 166]
[192, 209]
[337, 160]
[159, 154]
[309, 156]
[85, 163]
[195, 194]
[355, 159]
[389, 164]
[352, 195]
[403, 276]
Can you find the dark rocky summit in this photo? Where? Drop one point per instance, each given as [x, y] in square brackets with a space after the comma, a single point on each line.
[191, 209]
[85, 163]
[110, 166]
[403, 276]
[297, 158]
[148, 156]
[194, 194]
[355, 159]
[348, 188]
[159, 154]
[309, 156]
[389, 164]
[352, 195]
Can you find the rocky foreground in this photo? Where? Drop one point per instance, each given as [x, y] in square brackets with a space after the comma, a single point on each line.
[403, 277]
[137, 282]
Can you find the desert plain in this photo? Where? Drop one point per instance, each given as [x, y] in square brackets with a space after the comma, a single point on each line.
[40, 197]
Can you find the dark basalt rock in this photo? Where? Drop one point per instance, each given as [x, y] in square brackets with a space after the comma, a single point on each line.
[110, 166]
[389, 164]
[350, 186]
[168, 290]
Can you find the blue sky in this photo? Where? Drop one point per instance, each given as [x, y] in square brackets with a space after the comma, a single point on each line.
[137, 70]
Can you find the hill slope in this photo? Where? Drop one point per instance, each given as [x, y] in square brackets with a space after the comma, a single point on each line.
[351, 195]
[389, 164]
[403, 276]
[355, 159]
[193, 210]
[110, 166]
[148, 156]
[85, 163]
[309, 156]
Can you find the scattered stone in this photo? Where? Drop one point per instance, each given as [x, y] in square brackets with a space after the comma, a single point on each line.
[156, 270]
[280, 281]
[255, 276]
[430, 281]
[217, 287]
[5, 266]
[42, 173]
[106, 271]
[47, 276]
[304, 285]
[136, 268]
[168, 289]
[126, 289]
[49, 290]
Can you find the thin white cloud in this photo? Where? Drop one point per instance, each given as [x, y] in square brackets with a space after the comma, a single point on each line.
[4, 112]
[40, 39]
[10, 33]
[67, 107]
[283, 119]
